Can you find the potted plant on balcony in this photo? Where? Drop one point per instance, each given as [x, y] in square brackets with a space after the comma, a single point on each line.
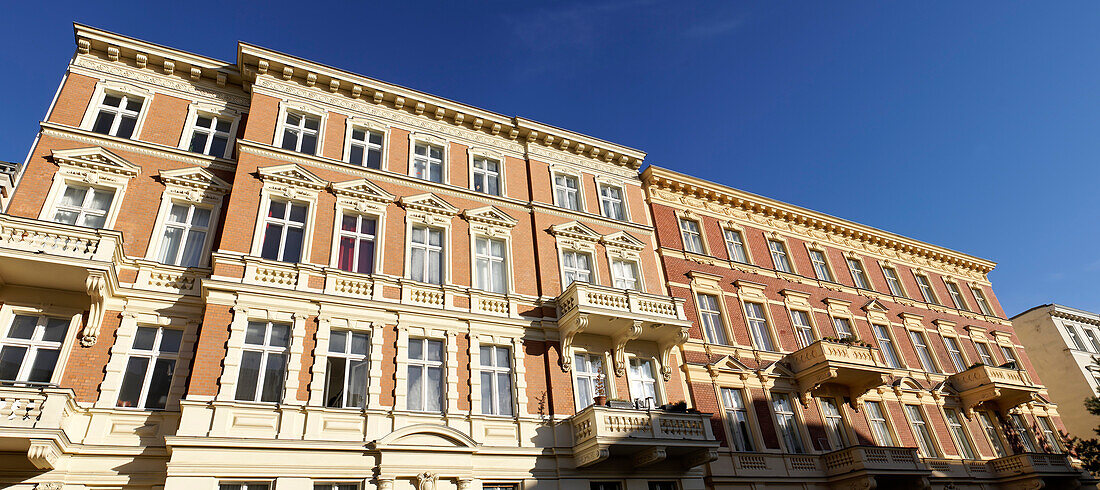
[620, 403]
[600, 398]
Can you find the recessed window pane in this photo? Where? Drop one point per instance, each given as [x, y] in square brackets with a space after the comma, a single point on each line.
[130, 392]
[42, 369]
[144, 338]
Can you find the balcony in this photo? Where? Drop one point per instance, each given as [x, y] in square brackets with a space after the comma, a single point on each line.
[885, 467]
[623, 315]
[1044, 470]
[31, 421]
[646, 437]
[854, 367]
[1003, 386]
[51, 255]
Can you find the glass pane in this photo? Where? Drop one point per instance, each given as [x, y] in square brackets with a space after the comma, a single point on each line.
[293, 119]
[436, 152]
[11, 357]
[374, 158]
[355, 155]
[145, 337]
[334, 388]
[223, 125]
[249, 375]
[55, 329]
[359, 343]
[255, 333]
[434, 393]
[112, 100]
[309, 143]
[357, 384]
[338, 341]
[298, 213]
[358, 135]
[22, 327]
[290, 140]
[312, 123]
[346, 256]
[130, 393]
[375, 138]
[415, 394]
[170, 340]
[101, 199]
[133, 104]
[274, 373]
[280, 335]
[487, 405]
[217, 146]
[366, 257]
[292, 250]
[198, 142]
[126, 127]
[486, 355]
[503, 357]
[204, 122]
[66, 217]
[103, 122]
[42, 369]
[94, 221]
[435, 350]
[504, 390]
[192, 250]
[159, 384]
[272, 237]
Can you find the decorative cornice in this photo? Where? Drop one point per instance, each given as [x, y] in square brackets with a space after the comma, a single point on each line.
[134, 146]
[696, 193]
[1073, 314]
[148, 76]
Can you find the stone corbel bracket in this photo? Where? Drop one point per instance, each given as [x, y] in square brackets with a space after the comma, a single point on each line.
[568, 331]
[43, 453]
[628, 333]
[665, 347]
[96, 285]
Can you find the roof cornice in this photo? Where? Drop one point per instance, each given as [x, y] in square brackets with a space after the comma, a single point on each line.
[1074, 314]
[727, 196]
[152, 55]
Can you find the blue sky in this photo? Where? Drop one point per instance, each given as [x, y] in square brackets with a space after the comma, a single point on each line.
[971, 125]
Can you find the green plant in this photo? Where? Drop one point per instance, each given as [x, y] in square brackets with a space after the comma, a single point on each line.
[1086, 450]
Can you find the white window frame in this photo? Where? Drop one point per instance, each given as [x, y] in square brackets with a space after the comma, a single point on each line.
[821, 264]
[768, 339]
[197, 109]
[926, 440]
[784, 253]
[430, 140]
[859, 273]
[303, 111]
[105, 87]
[617, 278]
[983, 302]
[84, 209]
[955, 353]
[265, 350]
[1093, 339]
[792, 442]
[1075, 337]
[991, 434]
[837, 431]
[566, 269]
[179, 189]
[366, 125]
[302, 193]
[851, 327]
[164, 224]
[882, 418]
[927, 292]
[347, 357]
[803, 332]
[340, 233]
[923, 351]
[733, 402]
[82, 166]
[8, 313]
[985, 355]
[605, 200]
[1018, 424]
[726, 231]
[697, 234]
[895, 287]
[153, 355]
[495, 372]
[502, 262]
[248, 485]
[443, 249]
[634, 380]
[895, 361]
[599, 377]
[578, 192]
[716, 313]
[475, 154]
[956, 295]
[426, 364]
[1050, 434]
[286, 223]
[961, 436]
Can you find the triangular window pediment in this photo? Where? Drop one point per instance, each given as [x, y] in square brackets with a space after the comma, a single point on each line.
[95, 159]
[624, 240]
[429, 203]
[490, 215]
[362, 189]
[195, 178]
[874, 305]
[574, 229]
[292, 174]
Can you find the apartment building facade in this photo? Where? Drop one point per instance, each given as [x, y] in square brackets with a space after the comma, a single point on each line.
[1063, 343]
[277, 274]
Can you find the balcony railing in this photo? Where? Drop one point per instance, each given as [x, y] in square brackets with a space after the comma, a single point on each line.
[1031, 463]
[620, 302]
[853, 366]
[56, 239]
[36, 414]
[646, 436]
[1004, 386]
[874, 459]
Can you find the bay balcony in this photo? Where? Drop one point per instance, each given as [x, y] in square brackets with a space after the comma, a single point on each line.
[644, 437]
[855, 367]
[1005, 387]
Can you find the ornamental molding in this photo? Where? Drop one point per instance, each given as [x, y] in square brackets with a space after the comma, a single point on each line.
[579, 163]
[194, 184]
[489, 221]
[575, 230]
[292, 175]
[376, 110]
[94, 165]
[622, 240]
[362, 189]
[119, 69]
[132, 146]
[837, 234]
[429, 203]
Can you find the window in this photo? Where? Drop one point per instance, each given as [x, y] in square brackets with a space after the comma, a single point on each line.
[1092, 339]
[880, 429]
[643, 382]
[605, 485]
[779, 256]
[611, 200]
[758, 326]
[788, 424]
[84, 206]
[1010, 356]
[956, 296]
[336, 486]
[991, 434]
[1075, 337]
[1049, 434]
[346, 369]
[860, 277]
[300, 132]
[738, 417]
[357, 241]
[923, 352]
[284, 231]
[426, 259]
[955, 354]
[979, 297]
[843, 328]
[185, 231]
[821, 267]
[958, 433]
[487, 176]
[1019, 429]
[834, 424]
[920, 428]
[892, 281]
[575, 266]
[31, 347]
[662, 485]
[143, 387]
[590, 378]
[425, 388]
[365, 148]
[210, 135]
[693, 240]
[802, 329]
[926, 289]
[263, 362]
[711, 318]
[427, 162]
[625, 274]
[735, 246]
[489, 265]
[245, 486]
[118, 115]
[567, 191]
[886, 345]
[984, 354]
[496, 380]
